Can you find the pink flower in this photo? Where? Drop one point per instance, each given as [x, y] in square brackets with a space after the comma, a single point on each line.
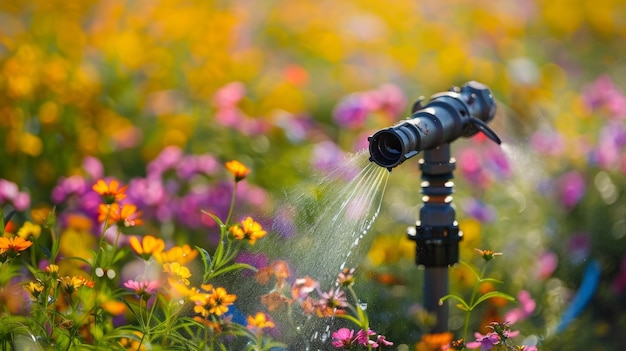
[525, 309]
[142, 288]
[363, 338]
[546, 264]
[229, 95]
[603, 95]
[571, 188]
[619, 283]
[343, 338]
[382, 341]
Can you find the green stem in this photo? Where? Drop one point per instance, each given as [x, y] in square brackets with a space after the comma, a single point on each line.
[232, 205]
[472, 301]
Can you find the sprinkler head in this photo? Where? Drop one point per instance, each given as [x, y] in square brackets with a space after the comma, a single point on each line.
[460, 112]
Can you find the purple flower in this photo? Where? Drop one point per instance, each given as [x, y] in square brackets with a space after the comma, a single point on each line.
[66, 187]
[257, 260]
[479, 210]
[526, 308]
[343, 338]
[326, 156]
[485, 342]
[351, 112]
[608, 152]
[578, 247]
[168, 159]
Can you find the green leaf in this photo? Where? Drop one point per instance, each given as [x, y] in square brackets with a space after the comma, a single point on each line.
[215, 218]
[490, 295]
[491, 280]
[233, 267]
[206, 261]
[462, 304]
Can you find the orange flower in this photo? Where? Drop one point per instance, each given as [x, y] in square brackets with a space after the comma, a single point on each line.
[248, 229]
[124, 215]
[273, 301]
[487, 255]
[238, 169]
[212, 301]
[434, 342]
[111, 192]
[149, 245]
[13, 245]
[259, 321]
[279, 269]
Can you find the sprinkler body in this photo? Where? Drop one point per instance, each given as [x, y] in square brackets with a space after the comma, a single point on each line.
[460, 112]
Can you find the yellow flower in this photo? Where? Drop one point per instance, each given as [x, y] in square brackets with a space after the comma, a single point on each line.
[177, 273]
[28, 230]
[111, 192]
[248, 229]
[70, 284]
[34, 288]
[259, 321]
[181, 254]
[148, 246]
[238, 169]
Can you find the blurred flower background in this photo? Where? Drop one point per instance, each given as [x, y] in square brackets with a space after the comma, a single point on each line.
[159, 94]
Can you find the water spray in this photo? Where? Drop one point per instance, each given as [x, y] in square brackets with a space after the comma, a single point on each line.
[460, 112]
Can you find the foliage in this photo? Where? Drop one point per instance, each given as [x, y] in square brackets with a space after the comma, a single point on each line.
[160, 94]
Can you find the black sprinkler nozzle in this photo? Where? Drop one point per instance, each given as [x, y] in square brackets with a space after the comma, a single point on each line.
[460, 112]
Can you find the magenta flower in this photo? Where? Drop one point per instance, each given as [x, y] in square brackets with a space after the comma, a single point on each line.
[571, 188]
[343, 338]
[351, 112]
[619, 283]
[485, 342]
